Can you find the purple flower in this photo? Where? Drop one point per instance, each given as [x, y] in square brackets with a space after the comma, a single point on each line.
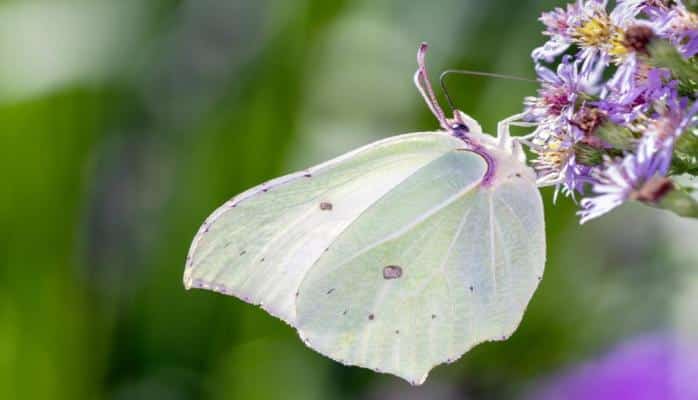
[672, 120]
[555, 109]
[651, 8]
[624, 180]
[556, 162]
[572, 103]
[560, 22]
[588, 25]
[625, 103]
[646, 368]
[617, 183]
[562, 27]
[575, 177]
[631, 8]
[559, 91]
[680, 26]
[553, 146]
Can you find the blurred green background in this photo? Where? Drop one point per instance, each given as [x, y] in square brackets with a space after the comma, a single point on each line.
[125, 123]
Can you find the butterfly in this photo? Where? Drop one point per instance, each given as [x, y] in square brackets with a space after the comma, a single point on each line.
[398, 256]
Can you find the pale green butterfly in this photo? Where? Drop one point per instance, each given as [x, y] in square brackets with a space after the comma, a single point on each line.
[398, 256]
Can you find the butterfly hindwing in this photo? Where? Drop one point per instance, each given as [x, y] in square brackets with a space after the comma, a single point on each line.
[469, 257]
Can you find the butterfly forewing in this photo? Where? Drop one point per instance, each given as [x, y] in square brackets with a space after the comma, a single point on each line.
[260, 245]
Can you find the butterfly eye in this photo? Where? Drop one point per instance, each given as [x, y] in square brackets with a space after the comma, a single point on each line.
[460, 127]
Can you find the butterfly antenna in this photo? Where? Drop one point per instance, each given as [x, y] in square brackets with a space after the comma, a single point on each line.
[421, 80]
[449, 100]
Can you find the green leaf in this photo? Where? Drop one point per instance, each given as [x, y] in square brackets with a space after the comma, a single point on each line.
[687, 183]
[688, 143]
[617, 136]
[691, 5]
[681, 203]
[685, 159]
[683, 199]
[663, 54]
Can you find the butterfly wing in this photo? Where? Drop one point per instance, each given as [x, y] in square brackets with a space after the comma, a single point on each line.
[261, 244]
[435, 266]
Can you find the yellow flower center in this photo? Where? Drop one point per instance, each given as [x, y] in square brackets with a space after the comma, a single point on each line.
[618, 48]
[595, 32]
[554, 155]
[599, 32]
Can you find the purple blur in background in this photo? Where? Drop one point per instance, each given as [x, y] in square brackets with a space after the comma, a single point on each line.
[650, 367]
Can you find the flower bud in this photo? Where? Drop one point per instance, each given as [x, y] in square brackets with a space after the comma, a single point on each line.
[638, 37]
[654, 190]
[588, 155]
[588, 119]
[617, 136]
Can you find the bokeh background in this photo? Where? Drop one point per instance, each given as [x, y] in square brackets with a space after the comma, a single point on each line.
[123, 124]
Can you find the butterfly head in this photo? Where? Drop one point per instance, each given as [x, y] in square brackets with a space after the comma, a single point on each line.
[462, 125]
[465, 128]
[469, 130]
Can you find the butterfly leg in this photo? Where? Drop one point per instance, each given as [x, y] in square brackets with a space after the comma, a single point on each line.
[504, 138]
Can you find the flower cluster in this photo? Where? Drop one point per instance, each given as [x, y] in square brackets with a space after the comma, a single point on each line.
[616, 117]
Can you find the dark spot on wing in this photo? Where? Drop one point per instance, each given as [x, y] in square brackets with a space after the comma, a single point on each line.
[392, 272]
[344, 312]
[371, 317]
[308, 175]
[325, 206]
[433, 316]
[265, 190]
[262, 260]
[397, 331]
[330, 291]
[472, 288]
[297, 293]
[518, 175]
[242, 253]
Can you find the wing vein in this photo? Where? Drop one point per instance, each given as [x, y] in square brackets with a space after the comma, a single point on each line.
[506, 256]
[461, 224]
[294, 223]
[492, 245]
[513, 213]
[414, 223]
